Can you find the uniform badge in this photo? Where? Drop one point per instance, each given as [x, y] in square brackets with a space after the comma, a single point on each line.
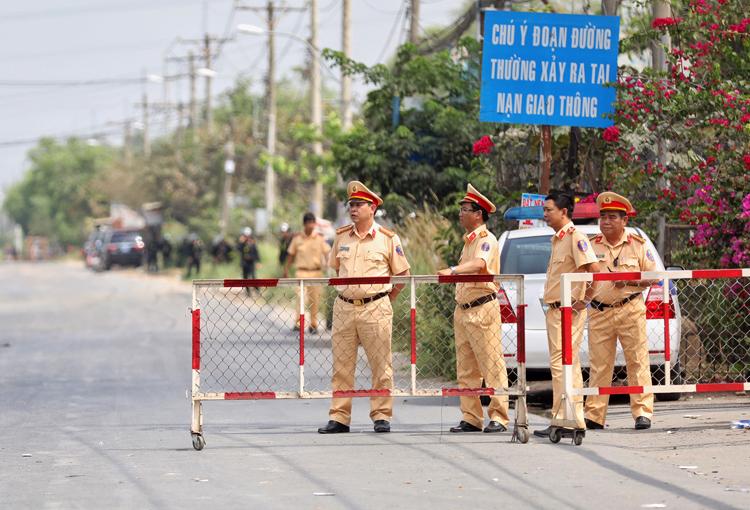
[399, 250]
[343, 248]
[485, 246]
[600, 255]
[583, 246]
[650, 256]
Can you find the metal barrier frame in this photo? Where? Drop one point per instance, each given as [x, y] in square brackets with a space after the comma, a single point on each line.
[520, 425]
[566, 281]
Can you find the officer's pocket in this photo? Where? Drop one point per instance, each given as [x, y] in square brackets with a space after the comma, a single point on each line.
[374, 263]
[629, 263]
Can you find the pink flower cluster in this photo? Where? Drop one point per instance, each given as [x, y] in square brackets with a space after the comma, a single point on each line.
[611, 134]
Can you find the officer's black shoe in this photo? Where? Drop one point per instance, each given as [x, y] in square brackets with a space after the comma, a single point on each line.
[542, 433]
[464, 426]
[495, 426]
[333, 427]
[642, 423]
[592, 425]
[312, 330]
[382, 426]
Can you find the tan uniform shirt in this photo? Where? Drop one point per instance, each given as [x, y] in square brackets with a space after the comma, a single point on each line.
[310, 252]
[479, 244]
[630, 254]
[570, 251]
[377, 253]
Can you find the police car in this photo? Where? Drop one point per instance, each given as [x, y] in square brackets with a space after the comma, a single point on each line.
[526, 251]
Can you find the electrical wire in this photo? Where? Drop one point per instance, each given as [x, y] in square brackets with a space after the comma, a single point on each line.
[388, 41]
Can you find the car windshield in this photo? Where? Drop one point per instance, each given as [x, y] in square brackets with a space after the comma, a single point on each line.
[526, 255]
[121, 237]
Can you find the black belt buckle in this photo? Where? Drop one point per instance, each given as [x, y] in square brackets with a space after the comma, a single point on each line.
[482, 300]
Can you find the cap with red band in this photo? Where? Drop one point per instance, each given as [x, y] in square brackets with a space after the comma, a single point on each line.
[358, 191]
[472, 195]
[610, 201]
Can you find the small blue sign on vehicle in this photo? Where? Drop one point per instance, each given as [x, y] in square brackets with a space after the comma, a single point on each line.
[540, 68]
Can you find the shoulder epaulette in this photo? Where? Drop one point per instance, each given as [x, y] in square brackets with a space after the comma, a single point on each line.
[389, 233]
[571, 230]
[343, 229]
[483, 234]
[638, 238]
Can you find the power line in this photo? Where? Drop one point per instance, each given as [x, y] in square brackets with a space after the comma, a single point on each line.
[125, 6]
[393, 30]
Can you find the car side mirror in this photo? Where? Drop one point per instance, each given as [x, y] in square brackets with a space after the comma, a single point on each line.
[675, 268]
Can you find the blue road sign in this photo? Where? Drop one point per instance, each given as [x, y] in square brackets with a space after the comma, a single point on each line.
[540, 68]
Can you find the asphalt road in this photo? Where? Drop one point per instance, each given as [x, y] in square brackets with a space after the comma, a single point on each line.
[94, 369]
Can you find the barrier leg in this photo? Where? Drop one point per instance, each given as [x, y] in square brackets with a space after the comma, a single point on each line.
[521, 425]
[567, 426]
[196, 426]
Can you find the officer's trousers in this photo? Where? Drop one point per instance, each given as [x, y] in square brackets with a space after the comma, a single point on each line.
[554, 341]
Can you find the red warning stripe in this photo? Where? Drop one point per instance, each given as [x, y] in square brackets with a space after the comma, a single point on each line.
[466, 278]
[718, 387]
[250, 395]
[263, 282]
[467, 392]
[620, 390]
[717, 273]
[600, 277]
[196, 339]
[361, 393]
[365, 280]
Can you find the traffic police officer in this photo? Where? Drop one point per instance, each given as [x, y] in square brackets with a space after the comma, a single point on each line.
[308, 251]
[476, 320]
[362, 314]
[571, 252]
[618, 311]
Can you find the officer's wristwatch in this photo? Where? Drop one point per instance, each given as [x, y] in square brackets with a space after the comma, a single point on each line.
[453, 269]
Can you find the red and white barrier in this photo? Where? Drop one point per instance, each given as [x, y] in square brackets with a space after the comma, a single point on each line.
[662, 305]
[508, 314]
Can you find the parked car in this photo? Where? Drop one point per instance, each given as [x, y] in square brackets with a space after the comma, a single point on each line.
[122, 248]
[527, 252]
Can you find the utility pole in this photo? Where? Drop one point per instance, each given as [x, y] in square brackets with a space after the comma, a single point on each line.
[146, 142]
[193, 102]
[228, 172]
[126, 145]
[414, 22]
[346, 81]
[316, 108]
[207, 64]
[271, 98]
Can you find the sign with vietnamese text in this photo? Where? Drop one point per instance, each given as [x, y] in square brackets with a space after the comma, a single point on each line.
[540, 68]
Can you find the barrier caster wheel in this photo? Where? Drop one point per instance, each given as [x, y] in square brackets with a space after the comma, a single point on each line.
[578, 438]
[198, 441]
[522, 433]
[555, 434]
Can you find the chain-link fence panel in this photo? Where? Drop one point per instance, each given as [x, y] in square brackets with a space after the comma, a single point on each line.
[343, 337]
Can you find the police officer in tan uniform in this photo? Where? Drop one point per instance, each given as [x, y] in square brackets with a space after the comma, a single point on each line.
[571, 252]
[618, 312]
[362, 314]
[308, 252]
[476, 320]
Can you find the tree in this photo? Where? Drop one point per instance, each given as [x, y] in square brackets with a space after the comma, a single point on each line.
[700, 107]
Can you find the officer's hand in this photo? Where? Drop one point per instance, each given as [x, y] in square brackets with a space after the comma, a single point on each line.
[621, 284]
[444, 272]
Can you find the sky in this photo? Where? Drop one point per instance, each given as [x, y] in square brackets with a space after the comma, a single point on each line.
[47, 44]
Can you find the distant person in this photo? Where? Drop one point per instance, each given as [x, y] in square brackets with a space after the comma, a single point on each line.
[285, 239]
[249, 255]
[308, 252]
[166, 251]
[194, 252]
[152, 252]
[221, 250]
